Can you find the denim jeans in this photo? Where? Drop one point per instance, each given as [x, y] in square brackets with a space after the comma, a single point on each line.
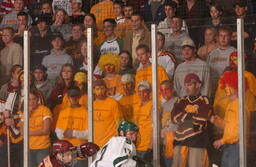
[36, 156]
[230, 156]
[3, 155]
[17, 155]
[168, 161]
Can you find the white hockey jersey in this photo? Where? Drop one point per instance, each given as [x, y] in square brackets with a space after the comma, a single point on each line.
[118, 152]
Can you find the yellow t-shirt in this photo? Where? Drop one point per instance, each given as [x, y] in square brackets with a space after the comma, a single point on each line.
[126, 103]
[114, 85]
[75, 119]
[231, 134]
[142, 117]
[65, 104]
[36, 122]
[102, 11]
[107, 116]
[146, 74]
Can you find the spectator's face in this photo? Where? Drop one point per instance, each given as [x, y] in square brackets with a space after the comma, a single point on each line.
[169, 11]
[176, 24]
[124, 60]
[76, 6]
[209, 36]
[108, 29]
[7, 36]
[57, 43]
[46, 8]
[160, 42]
[33, 102]
[188, 53]
[39, 75]
[76, 33]
[240, 11]
[229, 91]
[60, 16]
[192, 89]
[214, 13]
[84, 49]
[224, 38]
[109, 68]
[143, 56]
[118, 9]
[67, 73]
[166, 91]
[88, 22]
[16, 73]
[136, 22]
[128, 87]
[144, 93]
[100, 92]
[22, 20]
[74, 100]
[42, 26]
[128, 11]
[18, 5]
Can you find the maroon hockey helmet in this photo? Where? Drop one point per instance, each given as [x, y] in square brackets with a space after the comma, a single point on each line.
[61, 146]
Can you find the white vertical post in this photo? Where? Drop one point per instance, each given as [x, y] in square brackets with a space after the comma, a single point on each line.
[156, 139]
[241, 92]
[90, 86]
[26, 98]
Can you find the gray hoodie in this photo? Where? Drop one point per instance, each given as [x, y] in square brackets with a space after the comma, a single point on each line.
[54, 62]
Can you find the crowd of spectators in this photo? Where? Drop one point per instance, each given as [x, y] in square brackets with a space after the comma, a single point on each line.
[196, 49]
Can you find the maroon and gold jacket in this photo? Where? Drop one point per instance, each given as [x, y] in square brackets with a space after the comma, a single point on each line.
[192, 115]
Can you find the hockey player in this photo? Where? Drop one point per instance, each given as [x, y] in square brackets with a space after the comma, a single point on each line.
[119, 151]
[63, 154]
[191, 113]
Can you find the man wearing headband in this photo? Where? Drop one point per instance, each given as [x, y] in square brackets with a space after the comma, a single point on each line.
[142, 117]
[107, 114]
[191, 114]
[72, 123]
[126, 101]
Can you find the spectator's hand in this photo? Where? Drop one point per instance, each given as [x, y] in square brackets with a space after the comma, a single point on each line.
[212, 119]
[163, 132]
[9, 121]
[217, 144]
[68, 133]
[6, 113]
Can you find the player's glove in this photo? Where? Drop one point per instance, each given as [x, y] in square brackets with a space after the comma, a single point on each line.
[86, 150]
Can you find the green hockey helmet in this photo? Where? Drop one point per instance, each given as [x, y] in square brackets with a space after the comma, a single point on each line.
[127, 126]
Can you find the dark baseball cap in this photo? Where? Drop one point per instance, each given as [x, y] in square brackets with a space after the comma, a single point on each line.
[74, 91]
